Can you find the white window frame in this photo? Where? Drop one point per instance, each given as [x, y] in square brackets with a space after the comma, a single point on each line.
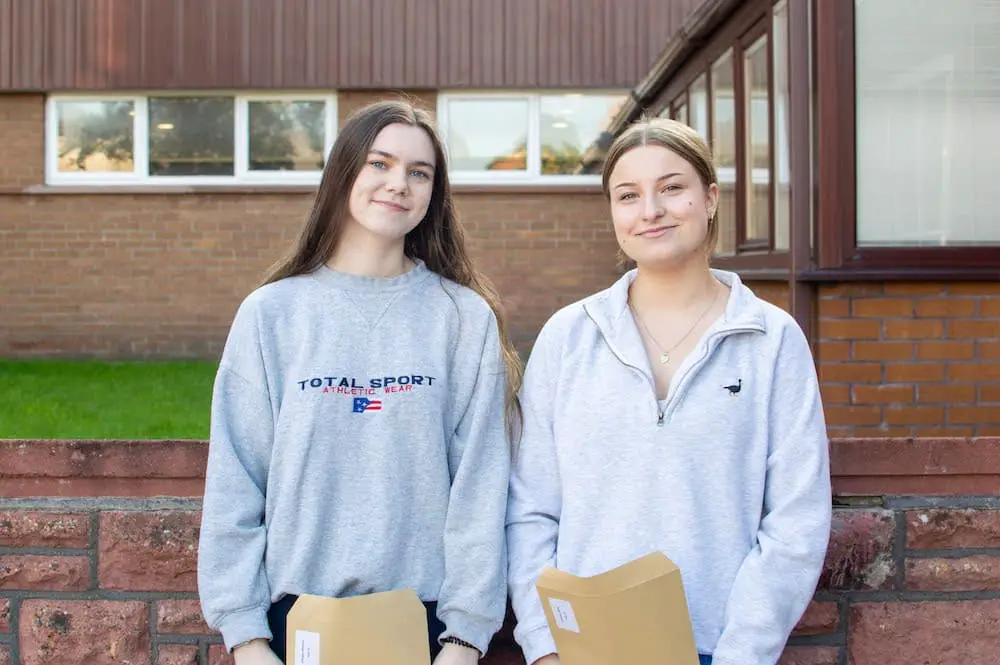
[533, 174]
[242, 175]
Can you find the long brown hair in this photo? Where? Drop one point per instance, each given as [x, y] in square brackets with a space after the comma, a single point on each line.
[438, 240]
[679, 139]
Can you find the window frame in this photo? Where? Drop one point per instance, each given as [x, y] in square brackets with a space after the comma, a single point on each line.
[839, 255]
[532, 175]
[747, 24]
[242, 175]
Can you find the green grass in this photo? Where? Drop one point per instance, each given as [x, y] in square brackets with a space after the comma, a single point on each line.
[59, 399]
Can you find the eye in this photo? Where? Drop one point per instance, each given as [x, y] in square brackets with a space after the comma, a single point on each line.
[420, 174]
[379, 164]
[627, 196]
[672, 188]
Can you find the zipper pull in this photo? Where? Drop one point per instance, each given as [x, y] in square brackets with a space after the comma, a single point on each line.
[659, 419]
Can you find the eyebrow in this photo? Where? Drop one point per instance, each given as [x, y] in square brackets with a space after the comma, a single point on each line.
[389, 155]
[662, 177]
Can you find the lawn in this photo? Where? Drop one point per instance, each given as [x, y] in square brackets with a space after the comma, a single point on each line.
[105, 400]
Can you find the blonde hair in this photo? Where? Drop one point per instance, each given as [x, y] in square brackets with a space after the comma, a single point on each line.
[679, 139]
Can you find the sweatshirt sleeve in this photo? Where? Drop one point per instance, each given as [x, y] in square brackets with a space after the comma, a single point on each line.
[778, 577]
[231, 579]
[472, 601]
[534, 503]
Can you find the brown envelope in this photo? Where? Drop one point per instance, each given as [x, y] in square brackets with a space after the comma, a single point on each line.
[636, 614]
[388, 628]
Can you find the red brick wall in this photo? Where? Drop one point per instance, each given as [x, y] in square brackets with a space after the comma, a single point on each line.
[161, 274]
[106, 573]
[902, 359]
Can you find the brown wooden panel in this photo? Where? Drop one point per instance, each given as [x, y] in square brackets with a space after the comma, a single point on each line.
[329, 44]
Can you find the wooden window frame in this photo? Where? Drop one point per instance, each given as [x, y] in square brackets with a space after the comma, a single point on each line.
[839, 256]
[753, 260]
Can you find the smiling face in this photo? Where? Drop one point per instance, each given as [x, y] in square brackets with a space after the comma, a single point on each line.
[393, 189]
[660, 207]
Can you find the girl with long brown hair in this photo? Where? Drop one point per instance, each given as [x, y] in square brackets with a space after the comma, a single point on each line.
[364, 410]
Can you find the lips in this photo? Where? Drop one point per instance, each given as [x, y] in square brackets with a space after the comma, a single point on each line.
[394, 207]
[657, 231]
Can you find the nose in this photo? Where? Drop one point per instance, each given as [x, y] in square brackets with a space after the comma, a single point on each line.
[651, 209]
[396, 181]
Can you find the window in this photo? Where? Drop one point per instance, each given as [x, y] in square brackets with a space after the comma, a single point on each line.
[735, 93]
[519, 138]
[927, 99]
[189, 139]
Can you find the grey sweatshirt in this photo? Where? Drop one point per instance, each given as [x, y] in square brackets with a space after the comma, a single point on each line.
[729, 477]
[357, 445]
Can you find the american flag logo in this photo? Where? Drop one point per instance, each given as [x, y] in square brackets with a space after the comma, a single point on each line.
[362, 404]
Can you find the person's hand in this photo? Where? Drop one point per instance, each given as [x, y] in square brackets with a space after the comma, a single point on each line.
[257, 652]
[551, 659]
[456, 654]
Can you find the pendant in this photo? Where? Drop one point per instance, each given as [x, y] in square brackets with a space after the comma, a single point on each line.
[664, 358]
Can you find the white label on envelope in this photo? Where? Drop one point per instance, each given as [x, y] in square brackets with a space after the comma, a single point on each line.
[563, 613]
[306, 648]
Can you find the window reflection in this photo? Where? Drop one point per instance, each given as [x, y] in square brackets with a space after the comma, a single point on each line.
[96, 137]
[191, 136]
[724, 149]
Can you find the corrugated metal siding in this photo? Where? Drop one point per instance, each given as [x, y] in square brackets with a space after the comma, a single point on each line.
[261, 44]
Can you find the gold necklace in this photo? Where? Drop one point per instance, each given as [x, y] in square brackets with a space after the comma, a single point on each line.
[665, 355]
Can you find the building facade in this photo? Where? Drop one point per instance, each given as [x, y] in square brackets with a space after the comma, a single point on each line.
[158, 156]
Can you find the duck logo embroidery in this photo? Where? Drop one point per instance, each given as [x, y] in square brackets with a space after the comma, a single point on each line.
[734, 388]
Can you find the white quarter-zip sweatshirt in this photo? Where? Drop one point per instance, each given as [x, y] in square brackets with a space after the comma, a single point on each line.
[729, 476]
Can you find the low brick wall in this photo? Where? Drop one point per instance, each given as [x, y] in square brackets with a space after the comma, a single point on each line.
[108, 578]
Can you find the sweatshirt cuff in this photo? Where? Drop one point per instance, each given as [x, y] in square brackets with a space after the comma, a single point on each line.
[537, 643]
[474, 630]
[243, 626]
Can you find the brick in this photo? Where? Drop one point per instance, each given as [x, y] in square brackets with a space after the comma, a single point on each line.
[217, 655]
[849, 329]
[988, 350]
[979, 371]
[40, 572]
[914, 372]
[946, 393]
[946, 307]
[975, 289]
[883, 394]
[834, 394]
[180, 617]
[913, 329]
[850, 372]
[155, 551]
[818, 619]
[989, 307]
[971, 573]
[5, 657]
[834, 308]
[882, 431]
[989, 393]
[914, 289]
[859, 556]
[857, 289]
[938, 432]
[177, 654]
[92, 632]
[928, 633]
[833, 351]
[852, 415]
[40, 529]
[952, 529]
[882, 351]
[972, 415]
[4, 615]
[974, 329]
[945, 350]
[880, 308]
[796, 655]
[914, 415]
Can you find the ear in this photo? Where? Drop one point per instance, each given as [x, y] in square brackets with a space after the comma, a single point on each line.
[712, 200]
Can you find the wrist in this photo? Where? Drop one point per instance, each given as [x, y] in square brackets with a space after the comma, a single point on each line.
[458, 643]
